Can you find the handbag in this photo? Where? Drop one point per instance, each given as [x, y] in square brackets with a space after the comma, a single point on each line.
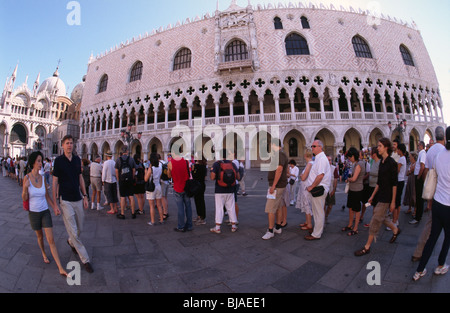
[150, 185]
[26, 205]
[291, 181]
[318, 191]
[429, 186]
[192, 187]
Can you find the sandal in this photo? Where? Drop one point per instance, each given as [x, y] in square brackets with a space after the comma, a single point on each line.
[346, 228]
[394, 238]
[353, 233]
[362, 252]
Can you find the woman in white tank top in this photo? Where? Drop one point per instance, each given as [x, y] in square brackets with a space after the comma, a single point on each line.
[35, 190]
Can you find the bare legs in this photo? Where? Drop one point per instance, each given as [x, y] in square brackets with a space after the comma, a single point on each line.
[53, 249]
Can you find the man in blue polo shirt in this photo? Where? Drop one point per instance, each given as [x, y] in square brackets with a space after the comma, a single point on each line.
[68, 179]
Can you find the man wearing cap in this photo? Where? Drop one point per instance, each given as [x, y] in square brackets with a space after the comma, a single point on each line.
[126, 172]
[109, 181]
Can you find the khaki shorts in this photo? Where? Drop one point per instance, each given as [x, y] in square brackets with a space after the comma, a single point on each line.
[380, 217]
[272, 205]
[96, 183]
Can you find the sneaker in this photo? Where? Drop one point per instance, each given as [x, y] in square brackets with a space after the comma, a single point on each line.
[418, 275]
[215, 230]
[93, 206]
[413, 222]
[277, 231]
[200, 222]
[268, 235]
[140, 212]
[441, 270]
[99, 207]
[244, 194]
[151, 224]
[234, 229]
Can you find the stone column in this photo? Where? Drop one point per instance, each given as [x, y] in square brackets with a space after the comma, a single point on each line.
[216, 105]
[261, 108]
[308, 110]
[322, 108]
[277, 107]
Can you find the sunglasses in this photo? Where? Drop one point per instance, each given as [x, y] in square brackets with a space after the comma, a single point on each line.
[314, 146]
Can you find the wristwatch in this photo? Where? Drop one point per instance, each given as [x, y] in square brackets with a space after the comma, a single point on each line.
[84, 196]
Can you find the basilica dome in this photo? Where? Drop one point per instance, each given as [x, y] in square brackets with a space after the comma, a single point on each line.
[77, 92]
[53, 85]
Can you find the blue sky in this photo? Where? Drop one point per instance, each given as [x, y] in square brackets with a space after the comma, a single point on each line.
[36, 34]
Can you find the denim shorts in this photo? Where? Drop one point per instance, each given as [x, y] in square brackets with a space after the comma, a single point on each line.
[39, 220]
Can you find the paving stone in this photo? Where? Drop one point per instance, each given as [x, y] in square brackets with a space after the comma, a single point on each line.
[130, 256]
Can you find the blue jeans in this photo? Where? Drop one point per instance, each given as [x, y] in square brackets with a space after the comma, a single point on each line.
[440, 221]
[184, 211]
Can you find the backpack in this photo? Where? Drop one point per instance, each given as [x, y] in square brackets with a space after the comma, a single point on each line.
[165, 170]
[140, 174]
[126, 173]
[227, 175]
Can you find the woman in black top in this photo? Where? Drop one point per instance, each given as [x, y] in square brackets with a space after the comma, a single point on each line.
[386, 191]
[199, 173]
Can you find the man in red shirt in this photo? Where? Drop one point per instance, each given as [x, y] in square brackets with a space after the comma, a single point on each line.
[178, 170]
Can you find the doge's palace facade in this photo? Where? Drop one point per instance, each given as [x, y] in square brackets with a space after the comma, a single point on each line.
[308, 72]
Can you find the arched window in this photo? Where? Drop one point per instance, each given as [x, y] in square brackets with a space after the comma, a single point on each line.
[361, 47]
[182, 59]
[236, 51]
[406, 55]
[305, 22]
[277, 22]
[103, 84]
[136, 72]
[296, 45]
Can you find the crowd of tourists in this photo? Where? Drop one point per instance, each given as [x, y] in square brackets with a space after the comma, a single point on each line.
[380, 180]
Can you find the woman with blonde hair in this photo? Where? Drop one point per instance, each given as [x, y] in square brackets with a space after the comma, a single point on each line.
[303, 201]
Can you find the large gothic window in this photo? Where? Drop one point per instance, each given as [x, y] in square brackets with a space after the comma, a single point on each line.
[296, 45]
[406, 55]
[182, 59]
[361, 47]
[136, 72]
[236, 51]
[103, 84]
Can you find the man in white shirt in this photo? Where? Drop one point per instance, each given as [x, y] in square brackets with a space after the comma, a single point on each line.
[109, 180]
[319, 176]
[96, 182]
[430, 162]
[420, 178]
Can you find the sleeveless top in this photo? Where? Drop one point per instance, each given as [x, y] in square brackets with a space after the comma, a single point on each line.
[38, 203]
[358, 184]
[156, 174]
[179, 174]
